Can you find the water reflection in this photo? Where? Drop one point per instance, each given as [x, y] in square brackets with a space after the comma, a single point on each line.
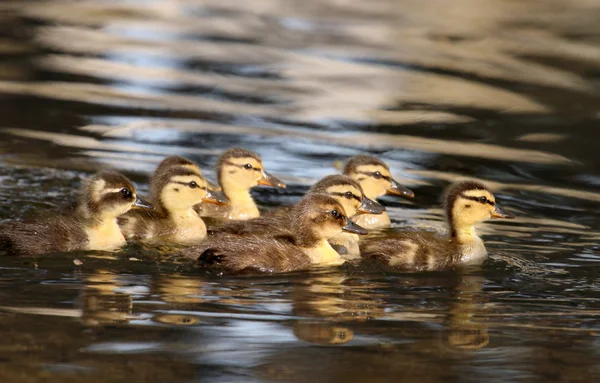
[102, 304]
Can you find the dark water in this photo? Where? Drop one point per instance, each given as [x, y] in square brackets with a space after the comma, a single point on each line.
[506, 91]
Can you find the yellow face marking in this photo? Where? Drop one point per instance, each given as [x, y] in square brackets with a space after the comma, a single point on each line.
[240, 173]
[372, 186]
[351, 204]
[467, 212]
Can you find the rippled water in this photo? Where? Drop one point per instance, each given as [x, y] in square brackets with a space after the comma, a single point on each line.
[506, 91]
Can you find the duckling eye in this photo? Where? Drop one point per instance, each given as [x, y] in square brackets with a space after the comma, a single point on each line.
[348, 194]
[377, 174]
[125, 192]
[335, 214]
[483, 199]
[248, 166]
[193, 184]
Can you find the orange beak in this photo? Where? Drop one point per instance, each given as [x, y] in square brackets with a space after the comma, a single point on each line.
[269, 180]
[397, 189]
[215, 196]
[499, 213]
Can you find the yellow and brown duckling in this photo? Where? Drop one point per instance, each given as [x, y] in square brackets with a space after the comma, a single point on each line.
[316, 218]
[342, 188]
[238, 171]
[350, 195]
[467, 203]
[175, 191]
[376, 180]
[93, 226]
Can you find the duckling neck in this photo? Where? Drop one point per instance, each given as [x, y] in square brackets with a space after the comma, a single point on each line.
[104, 233]
[321, 253]
[472, 250]
[464, 235]
[189, 226]
[241, 203]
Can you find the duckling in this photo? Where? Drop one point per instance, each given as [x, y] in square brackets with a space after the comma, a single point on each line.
[350, 195]
[238, 171]
[175, 191]
[375, 178]
[93, 226]
[343, 188]
[467, 203]
[316, 218]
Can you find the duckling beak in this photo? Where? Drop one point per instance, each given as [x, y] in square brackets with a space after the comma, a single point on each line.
[215, 196]
[368, 206]
[141, 204]
[499, 213]
[351, 227]
[270, 180]
[397, 189]
[212, 185]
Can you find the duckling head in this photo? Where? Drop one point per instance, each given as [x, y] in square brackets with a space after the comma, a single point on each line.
[180, 188]
[108, 195]
[241, 169]
[320, 216]
[468, 203]
[375, 178]
[348, 193]
[178, 161]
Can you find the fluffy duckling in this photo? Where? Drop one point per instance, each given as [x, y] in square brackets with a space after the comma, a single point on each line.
[467, 203]
[350, 195]
[93, 226]
[175, 191]
[376, 180]
[342, 188]
[238, 171]
[315, 219]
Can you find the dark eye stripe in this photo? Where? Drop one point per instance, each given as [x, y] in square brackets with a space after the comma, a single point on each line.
[188, 184]
[354, 196]
[242, 166]
[476, 199]
[372, 174]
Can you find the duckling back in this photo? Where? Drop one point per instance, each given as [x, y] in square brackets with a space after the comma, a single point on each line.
[60, 234]
[252, 253]
[414, 251]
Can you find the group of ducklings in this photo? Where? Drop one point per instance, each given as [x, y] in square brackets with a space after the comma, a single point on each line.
[323, 229]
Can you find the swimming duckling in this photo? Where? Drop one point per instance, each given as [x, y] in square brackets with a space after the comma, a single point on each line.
[375, 178]
[175, 191]
[93, 226]
[316, 218]
[350, 194]
[238, 171]
[343, 188]
[467, 203]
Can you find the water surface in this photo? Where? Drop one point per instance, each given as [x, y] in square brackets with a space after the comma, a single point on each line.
[505, 91]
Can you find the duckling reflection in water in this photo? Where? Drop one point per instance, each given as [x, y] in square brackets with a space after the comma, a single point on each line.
[315, 219]
[175, 191]
[375, 178]
[239, 170]
[93, 226]
[467, 203]
[343, 188]
[102, 304]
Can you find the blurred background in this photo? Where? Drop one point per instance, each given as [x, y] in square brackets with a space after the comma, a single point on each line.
[506, 91]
